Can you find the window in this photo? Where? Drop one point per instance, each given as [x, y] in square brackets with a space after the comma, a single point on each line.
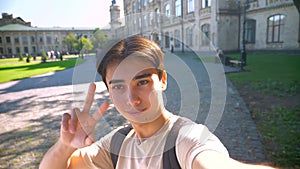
[7, 39]
[167, 40]
[139, 4]
[157, 15]
[24, 39]
[41, 39]
[177, 38]
[177, 7]
[1, 51]
[145, 21]
[145, 2]
[18, 50]
[17, 39]
[151, 19]
[189, 36]
[168, 12]
[33, 49]
[26, 49]
[275, 28]
[9, 50]
[133, 7]
[1, 40]
[48, 39]
[250, 31]
[190, 6]
[205, 34]
[32, 39]
[206, 3]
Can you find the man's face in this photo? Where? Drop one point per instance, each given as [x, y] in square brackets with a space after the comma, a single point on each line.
[135, 89]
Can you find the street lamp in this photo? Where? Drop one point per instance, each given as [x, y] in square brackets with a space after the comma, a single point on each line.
[182, 28]
[244, 6]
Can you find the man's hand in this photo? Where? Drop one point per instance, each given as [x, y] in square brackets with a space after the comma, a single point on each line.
[77, 128]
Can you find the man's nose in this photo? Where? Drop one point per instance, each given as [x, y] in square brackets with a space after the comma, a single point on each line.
[133, 98]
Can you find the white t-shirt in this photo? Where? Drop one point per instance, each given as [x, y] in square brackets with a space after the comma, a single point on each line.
[134, 154]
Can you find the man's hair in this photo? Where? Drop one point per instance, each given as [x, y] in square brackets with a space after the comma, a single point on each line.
[134, 45]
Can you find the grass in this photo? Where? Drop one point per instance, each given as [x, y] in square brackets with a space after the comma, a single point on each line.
[284, 68]
[280, 126]
[276, 76]
[12, 69]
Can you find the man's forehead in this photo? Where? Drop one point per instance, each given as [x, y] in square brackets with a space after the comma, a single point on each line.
[133, 74]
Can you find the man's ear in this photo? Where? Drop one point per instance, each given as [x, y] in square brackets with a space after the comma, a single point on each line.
[164, 80]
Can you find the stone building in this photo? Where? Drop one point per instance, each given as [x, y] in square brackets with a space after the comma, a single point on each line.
[207, 24]
[19, 37]
[199, 25]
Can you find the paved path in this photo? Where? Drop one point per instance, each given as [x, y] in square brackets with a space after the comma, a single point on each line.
[195, 90]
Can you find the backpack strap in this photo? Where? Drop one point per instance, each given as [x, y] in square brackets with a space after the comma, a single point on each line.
[116, 143]
[170, 160]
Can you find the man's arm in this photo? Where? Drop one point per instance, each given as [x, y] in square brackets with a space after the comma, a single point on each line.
[212, 159]
[57, 156]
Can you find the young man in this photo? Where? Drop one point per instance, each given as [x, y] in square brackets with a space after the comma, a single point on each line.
[134, 74]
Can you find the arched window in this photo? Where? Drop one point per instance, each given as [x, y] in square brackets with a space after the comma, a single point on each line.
[275, 28]
[177, 38]
[189, 36]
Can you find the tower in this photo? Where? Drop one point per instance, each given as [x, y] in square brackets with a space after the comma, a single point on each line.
[114, 16]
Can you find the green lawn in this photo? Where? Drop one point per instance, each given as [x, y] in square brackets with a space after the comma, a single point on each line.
[277, 76]
[12, 69]
[269, 67]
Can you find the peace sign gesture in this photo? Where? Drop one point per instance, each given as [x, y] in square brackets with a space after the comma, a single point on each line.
[77, 127]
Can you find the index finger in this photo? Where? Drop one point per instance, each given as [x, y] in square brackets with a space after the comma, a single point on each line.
[89, 98]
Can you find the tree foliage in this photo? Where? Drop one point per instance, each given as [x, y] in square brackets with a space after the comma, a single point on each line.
[70, 41]
[98, 39]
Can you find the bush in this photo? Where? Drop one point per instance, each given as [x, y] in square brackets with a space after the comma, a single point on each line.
[44, 57]
[21, 57]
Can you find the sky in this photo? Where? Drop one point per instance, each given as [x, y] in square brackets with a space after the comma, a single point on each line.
[61, 13]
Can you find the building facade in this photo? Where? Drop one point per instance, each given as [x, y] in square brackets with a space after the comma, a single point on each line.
[18, 37]
[209, 24]
[198, 25]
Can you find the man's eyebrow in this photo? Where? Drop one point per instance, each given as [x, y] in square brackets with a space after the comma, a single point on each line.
[142, 76]
[115, 81]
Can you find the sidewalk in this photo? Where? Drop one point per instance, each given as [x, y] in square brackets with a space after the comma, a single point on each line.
[30, 112]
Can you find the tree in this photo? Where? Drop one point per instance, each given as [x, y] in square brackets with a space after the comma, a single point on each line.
[98, 39]
[70, 41]
[83, 43]
[87, 45]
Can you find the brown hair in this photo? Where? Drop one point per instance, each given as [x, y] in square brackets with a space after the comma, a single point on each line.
[132, 45]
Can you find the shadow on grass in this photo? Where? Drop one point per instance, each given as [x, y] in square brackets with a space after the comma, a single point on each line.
[24, 148]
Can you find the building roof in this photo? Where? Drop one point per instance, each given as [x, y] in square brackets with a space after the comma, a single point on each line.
[19, 27]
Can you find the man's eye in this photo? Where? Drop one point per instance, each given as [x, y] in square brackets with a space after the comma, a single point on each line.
[142, 82]
[118, 87]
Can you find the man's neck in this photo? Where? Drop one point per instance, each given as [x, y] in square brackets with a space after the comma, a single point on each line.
[146, 130]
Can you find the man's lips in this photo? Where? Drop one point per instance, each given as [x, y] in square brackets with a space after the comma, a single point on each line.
[136, 112]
